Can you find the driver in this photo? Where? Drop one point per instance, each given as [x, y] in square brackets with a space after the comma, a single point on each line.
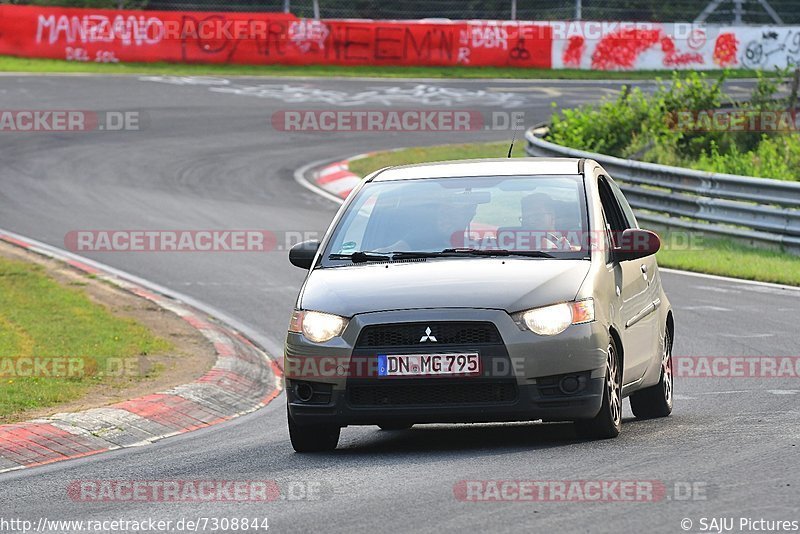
[538, 217]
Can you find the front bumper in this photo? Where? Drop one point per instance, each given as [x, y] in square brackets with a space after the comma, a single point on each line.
[529, 405]
[522, 375]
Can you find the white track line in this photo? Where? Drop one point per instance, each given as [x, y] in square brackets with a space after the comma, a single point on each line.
[729, 279]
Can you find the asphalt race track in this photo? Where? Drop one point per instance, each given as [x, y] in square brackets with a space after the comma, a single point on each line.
[207, 157]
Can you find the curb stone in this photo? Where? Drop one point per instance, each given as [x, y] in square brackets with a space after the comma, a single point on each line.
[243, 379]
[336, 177]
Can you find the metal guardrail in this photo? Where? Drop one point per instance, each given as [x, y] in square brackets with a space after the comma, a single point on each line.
[760, 210]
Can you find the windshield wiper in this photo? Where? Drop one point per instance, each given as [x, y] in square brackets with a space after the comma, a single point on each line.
[365, 256]
[360, 257]
[413, 254]
[456, 252]
[498, 252]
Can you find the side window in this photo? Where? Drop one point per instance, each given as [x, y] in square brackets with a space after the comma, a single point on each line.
[614, 216]
[623, 203]
[607, 242]
[357, 227]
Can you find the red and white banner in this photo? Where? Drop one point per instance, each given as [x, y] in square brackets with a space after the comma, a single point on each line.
[265, 38]
[668, 46]
[95, 35]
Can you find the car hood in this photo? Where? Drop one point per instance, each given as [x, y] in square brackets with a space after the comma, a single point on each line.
[510, 284]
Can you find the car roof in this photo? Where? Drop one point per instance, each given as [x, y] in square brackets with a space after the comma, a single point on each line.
[481, 167]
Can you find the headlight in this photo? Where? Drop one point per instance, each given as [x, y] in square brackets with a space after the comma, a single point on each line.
[552, 320]
[317, 326]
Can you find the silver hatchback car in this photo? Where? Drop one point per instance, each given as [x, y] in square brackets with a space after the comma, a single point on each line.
[479, 291]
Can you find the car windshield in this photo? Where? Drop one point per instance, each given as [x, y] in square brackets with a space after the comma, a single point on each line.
[535, 216]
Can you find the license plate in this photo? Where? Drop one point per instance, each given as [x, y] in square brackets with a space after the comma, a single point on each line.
[456, 363]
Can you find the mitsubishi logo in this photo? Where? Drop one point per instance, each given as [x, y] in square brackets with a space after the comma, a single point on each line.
[428, 336]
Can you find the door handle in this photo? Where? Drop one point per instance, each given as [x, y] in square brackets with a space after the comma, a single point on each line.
[644, 273]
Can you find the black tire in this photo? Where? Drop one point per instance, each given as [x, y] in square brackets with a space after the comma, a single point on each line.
[656, 401]
[313, 438]
[396, 426]
[608, 421]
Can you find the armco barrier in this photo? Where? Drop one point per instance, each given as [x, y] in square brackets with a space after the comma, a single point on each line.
[95, 35]
[756, 209]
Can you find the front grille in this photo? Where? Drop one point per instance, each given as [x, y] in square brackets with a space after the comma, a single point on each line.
[431, 394]
[405, 334]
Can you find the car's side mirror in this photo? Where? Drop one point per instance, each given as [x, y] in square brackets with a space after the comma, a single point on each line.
[635, 243]
[302, 254]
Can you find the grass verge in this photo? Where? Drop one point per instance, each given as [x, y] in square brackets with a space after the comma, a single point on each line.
[19, 64]
[710, 255]
[43, 320]
[728, 258]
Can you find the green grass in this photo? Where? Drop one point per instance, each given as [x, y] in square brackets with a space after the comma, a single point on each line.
[706, 255]
[728, 258]
[18, 64]
[39, 318]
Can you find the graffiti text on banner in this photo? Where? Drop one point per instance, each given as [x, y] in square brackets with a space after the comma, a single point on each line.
[110, 36]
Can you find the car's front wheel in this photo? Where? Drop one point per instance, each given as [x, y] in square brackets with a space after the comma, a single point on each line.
[608, 421]
[312, 438]
[656, 401]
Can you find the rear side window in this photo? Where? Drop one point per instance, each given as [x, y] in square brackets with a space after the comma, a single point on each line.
[614, 215]
[623, 203]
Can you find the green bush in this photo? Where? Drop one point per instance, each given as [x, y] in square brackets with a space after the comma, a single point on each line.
[641, 125]
[777, 157]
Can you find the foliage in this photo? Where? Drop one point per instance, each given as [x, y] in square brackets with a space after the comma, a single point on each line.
[667, 126]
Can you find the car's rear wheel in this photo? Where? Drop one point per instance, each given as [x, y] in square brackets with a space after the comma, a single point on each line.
[656, 401]
[608, 421]
[396, 426]
[313, 438]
